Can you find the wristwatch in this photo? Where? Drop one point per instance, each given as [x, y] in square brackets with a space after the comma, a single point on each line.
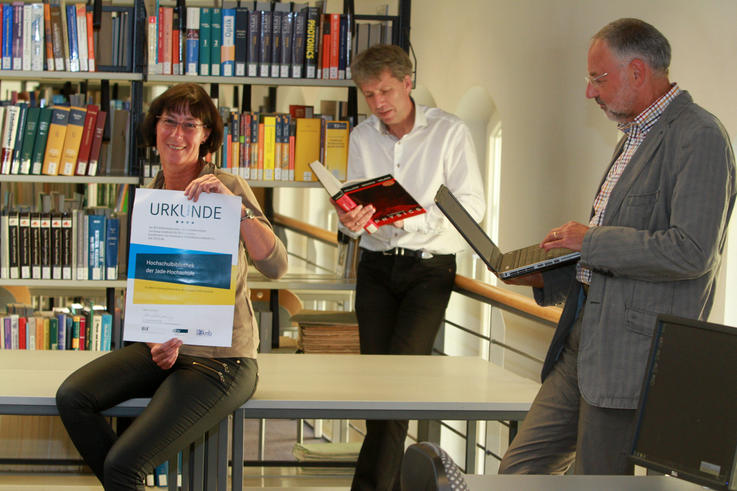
[249, 214]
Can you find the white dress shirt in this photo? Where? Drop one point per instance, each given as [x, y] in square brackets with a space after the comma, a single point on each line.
[438, 150]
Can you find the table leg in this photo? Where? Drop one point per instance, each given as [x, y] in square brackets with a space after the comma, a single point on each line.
[471, 427]
[222, 455]
[238, 429]
[513, 426]
[198, 467]
[212, 459]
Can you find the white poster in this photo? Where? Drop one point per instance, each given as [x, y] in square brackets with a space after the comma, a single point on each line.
[182, 268]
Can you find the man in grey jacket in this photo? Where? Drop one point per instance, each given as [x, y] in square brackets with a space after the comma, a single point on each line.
[653, 245]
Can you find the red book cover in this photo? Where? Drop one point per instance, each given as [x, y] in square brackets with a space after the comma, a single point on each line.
[160, 45]
[22, 333]
[175, 43]
[47, 38]
[90, 41]
[334, 45]
[82, 332]
[96, 143]
[88, 133]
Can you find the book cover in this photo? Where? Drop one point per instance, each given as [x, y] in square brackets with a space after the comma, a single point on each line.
[391, 200]
[254, 22]
[17, 35]
[71, 18]
[13, 259]
[57, 37]
[35, 244]
[96, 240]
[24, 244]
[29, 138]
[67, 246]
[265, 36]
[269, 147]
[205, 40]
[81, 20]
[152, 46]
[10, 135]
[37, 37]
[311, 41]
[107, 331]
[277, 16]
[336, 148]
[286, 44]
[19, 133]
[167, 26]
[241, 41]
[306, 147]
[334, 45]
[85, 145]
[92, 165]
[112, 233]
[90, 40]
[45, 245]
[193, 41]
[39, 145]
[49, 46]
[216, 40]
[55, 140]
[56, 246]
[72, 139]
[7, 37]
[227, 47]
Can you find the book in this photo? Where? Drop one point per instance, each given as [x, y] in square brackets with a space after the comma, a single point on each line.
[119, 142]
[7, 37]
[55, 140]
[85, 145]
[45, 245]
[286, 43]
[39, 145]
[312, 32]
[205, 40]
[19, 134]
[29, 138]
[391, 201]
[49, 46]
[96, 250]
[24, 244]
[81, 20]
[280, 9]
[17, 35]
[166, 21]
[216, 40]
[12, 238]
[254, 20]
[152, 46]
[57, 37]
[71, 23]
[112, 233]
[90, 40]
[306, 147]
[241, 41]
[193, 41]
[36, 35]
[67, 246]
[10, 133]
[99, 131]
[56, 246]
[336, 148]
[35, 245]
[265, 35]
[72, 139]
[227, 47]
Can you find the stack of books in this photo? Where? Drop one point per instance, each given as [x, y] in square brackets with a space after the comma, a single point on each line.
[327, 331]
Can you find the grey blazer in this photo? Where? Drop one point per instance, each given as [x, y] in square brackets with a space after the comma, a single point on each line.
[657, 251]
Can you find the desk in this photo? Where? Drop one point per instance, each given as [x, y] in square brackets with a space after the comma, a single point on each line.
[579, 483]
[310, 386]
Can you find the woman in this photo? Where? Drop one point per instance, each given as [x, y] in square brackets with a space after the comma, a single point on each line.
[191, 387]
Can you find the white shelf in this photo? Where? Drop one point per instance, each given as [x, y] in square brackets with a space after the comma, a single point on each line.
[69, 179]
[31, 76]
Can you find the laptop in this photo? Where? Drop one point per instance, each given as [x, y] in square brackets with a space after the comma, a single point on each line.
[687, 415]
[505, 265]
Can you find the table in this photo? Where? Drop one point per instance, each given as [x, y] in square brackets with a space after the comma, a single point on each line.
[579, 483]
[319, 386]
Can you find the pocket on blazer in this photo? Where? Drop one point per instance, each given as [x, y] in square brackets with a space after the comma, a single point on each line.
[637, 210]
[640, 321]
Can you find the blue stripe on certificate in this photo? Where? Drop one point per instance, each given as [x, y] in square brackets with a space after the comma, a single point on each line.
[211, 270]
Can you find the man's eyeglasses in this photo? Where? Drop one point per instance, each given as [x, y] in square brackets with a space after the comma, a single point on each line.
[595, 81]
[187, 126]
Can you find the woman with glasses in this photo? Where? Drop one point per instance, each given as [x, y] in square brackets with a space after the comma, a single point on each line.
[191, 387]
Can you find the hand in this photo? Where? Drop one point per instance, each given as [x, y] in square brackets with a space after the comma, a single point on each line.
[207, 184]
[398, 223]
[569, 236]
[165, 354]
[534, 280]
[357, 218]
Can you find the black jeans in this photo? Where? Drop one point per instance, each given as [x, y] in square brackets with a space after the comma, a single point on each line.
[400, 304]
[186, 401]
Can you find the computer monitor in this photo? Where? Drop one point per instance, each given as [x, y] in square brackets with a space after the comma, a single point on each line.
[687, 416]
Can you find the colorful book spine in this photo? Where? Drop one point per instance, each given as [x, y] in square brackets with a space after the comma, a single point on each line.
[227, 49]
[96, 239]
[55, 140]
[71, 13]
[39, 145]
[37, 37]
[17, 35]
[35, 246]
[72, 140]
[49, 46]
[193, 40]
[311, 41]
[88, 133]
[205, 40]
[81, 20]
[7, 37]
[67, 246]
[56, 246]
[112, 233]
[26, 154]
[94, 160]
[19, 134]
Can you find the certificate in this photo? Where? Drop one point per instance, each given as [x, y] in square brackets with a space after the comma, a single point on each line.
[182, 268]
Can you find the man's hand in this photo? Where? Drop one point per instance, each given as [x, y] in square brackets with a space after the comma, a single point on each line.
[357, 218]
[165, 354]
[569, 236]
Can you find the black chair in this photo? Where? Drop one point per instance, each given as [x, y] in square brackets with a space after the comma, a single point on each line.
[427, 467]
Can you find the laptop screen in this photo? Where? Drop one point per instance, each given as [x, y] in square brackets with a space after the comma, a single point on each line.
[687, 417]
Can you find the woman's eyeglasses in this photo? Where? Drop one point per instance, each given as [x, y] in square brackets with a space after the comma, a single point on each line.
[170, 124]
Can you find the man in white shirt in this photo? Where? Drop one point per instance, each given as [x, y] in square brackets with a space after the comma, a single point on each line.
[407, 269]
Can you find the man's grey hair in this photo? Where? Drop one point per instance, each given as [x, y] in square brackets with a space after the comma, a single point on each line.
[634, 38]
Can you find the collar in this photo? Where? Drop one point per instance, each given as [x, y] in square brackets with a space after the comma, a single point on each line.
[420, 120]
[650, 115]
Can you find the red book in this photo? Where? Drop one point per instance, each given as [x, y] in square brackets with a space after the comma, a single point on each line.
[88, 133]
[96, 143]
[325, 51]
[82, 332]
[334, 45]
[22, 333]
[47, 38]
[175, 60]
[90, 41]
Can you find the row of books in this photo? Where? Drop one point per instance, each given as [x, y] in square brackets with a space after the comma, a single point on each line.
[62, 140]
[54, 37]
[279, 147]
[76, 245]
[89, 330]
[254, 39]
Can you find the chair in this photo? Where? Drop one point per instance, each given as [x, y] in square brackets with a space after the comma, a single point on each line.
[427, 467]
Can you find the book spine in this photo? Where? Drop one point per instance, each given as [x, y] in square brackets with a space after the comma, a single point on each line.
[4, 245]
[72, 140]
[45, 244]
[10, 129]
[111, 248]
[311, 35]
[227, 48]
[216, 40]
[56, 246]
[96, 247]
[55, 141]
[71, 13]
[167, 24]
[286, 44]
[7, 48]
[241, 41]
[39, 145]
[26, 41]
[276, 23]
[81, 19]
[24, 244]
[90, 41]
[85, 145]
[29, 140]
[57, 35]
[67, 238]
[193, 40]
[254, 20]
[19, 133]
[47, 38]
[152, 46]
[17, 35]
[264, 54]
[13, 245]
[37, 37]
[205, 40]
[96, 143]
[35, 244]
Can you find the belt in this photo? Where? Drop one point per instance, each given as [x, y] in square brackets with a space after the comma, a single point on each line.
[401, 251]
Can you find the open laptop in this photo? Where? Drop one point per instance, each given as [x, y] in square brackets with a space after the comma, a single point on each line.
[505, 265]
[687, 416]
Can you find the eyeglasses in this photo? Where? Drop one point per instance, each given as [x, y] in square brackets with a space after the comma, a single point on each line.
[170, 124]
[595, 80]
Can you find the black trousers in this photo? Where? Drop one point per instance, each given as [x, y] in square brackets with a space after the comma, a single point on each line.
[186, 401]
[400, 304]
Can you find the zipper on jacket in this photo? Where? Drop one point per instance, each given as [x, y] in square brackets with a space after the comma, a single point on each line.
[220, 374]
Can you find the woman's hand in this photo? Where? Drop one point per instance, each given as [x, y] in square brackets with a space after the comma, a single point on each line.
[165, 354]
[207, 184]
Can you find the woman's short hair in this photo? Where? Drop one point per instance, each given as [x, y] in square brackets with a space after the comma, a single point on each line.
[374, 61]
[636, 38]
[182, 98]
